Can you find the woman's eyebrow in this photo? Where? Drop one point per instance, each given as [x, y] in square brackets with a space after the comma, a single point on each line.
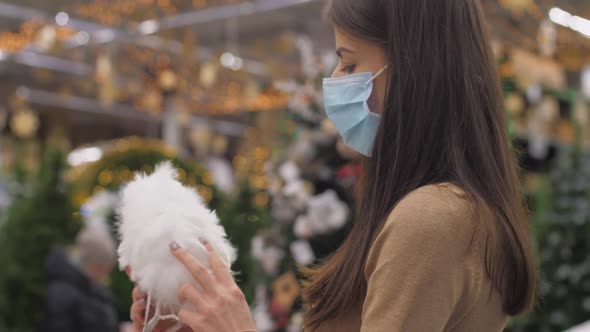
[341, 50]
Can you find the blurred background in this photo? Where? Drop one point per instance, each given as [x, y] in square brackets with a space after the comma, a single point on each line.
[92, 91]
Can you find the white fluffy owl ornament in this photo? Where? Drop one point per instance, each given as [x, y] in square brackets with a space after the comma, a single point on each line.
[156, 210]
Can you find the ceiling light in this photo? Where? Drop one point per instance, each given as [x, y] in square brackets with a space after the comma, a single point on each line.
[84, 155]
[566, 19]
[62, 18]
[149, 27]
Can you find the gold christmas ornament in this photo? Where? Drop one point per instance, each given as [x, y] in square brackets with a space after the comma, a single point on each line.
[105, 177]
[24, 123]
[168, 80]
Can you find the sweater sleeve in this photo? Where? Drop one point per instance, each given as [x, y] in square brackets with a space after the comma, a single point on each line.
[414, 271]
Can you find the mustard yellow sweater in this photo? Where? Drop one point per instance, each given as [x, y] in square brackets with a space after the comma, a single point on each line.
[423, 275]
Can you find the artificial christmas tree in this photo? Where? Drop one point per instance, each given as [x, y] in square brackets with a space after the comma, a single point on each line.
[35, 222]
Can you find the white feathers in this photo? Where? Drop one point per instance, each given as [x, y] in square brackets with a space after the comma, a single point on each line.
[155, 211]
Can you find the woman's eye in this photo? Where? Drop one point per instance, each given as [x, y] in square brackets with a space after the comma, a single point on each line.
[349, 69]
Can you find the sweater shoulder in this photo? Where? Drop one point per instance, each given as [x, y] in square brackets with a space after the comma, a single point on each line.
[442, 209]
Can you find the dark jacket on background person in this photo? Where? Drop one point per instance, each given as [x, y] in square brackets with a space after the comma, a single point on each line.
[73, 302]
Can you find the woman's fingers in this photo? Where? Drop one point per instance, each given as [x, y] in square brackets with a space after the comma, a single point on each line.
[222, 273]
[137, 294]
[198, 271]
[138, 313]
[192, 295]
[189, 318]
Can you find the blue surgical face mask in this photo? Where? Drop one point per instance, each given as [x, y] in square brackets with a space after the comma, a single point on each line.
[345, 101]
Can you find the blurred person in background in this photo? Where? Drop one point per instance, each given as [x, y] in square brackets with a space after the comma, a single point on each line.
[76, 299]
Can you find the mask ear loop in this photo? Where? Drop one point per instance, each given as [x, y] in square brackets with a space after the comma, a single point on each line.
[377, 75]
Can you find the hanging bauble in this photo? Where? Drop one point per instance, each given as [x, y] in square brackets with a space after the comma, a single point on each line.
[168, 80]
[45, 39]
[547, 38]
[24, 123]
[208, 74]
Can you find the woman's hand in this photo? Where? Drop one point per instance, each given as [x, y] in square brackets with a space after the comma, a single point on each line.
[221, 305]
[138, 312]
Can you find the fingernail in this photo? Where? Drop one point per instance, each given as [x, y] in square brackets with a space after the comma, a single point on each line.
[174, 246]
[203, 241]
[140, 302]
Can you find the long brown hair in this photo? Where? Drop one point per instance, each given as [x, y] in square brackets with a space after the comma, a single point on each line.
[443, 122]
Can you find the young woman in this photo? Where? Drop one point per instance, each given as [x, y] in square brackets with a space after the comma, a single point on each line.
[441, 240]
